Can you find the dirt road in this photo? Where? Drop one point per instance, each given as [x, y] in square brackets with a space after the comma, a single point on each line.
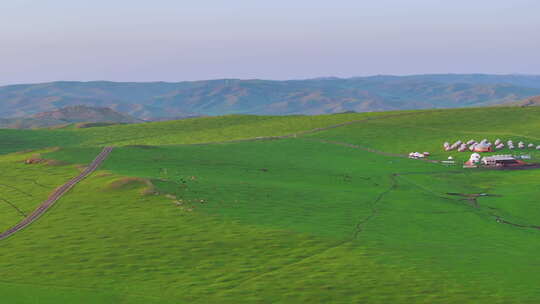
[57, 194]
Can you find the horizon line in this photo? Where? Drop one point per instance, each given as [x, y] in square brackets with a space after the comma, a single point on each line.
[276, 80]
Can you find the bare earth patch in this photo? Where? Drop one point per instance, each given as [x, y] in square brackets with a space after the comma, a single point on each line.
[132, 182]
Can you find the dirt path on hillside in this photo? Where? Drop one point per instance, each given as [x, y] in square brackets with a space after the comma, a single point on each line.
[57, 194]
[316, 130]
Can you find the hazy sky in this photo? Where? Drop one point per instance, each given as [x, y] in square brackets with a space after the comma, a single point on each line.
[174, 40]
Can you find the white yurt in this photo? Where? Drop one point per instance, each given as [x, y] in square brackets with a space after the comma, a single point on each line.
[482, 147]
[475, 158]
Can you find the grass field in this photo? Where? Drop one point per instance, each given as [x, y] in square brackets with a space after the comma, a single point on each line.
[296, 220]
[23, 186]
[188, 131]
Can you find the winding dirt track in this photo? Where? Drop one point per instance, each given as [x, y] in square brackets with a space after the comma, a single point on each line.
[57, 194]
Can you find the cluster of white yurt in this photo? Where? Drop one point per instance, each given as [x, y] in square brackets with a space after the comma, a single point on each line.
[521, 145]
[484, 145]
[450, 147]
[471, 145]
[456, 145]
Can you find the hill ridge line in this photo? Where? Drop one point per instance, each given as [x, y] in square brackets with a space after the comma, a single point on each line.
[157, 100]
[57, 195]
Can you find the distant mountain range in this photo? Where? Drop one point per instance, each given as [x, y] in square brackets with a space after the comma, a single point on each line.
[527, 102]
[162, 100]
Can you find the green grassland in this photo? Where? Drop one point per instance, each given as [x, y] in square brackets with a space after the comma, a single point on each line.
[303, 219]
[188, 131]
[23, 186]
[428, 130]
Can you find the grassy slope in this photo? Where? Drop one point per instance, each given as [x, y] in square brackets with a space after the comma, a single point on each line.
[288, 233]
[426, 131]
[188, 131]
[18, 140]
[152, 242]
[22, 186]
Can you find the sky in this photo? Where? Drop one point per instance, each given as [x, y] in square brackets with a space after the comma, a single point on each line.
[178, 40]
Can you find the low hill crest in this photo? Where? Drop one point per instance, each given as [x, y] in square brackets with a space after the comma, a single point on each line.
[80, 115]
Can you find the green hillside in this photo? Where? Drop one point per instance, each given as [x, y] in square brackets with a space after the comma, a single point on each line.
[188, 131]
[194, 211]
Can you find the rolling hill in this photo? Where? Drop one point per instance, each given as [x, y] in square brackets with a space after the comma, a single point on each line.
[160, 100]
[86, 114]
[274, 209]
[90, 116]
[527, 102]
